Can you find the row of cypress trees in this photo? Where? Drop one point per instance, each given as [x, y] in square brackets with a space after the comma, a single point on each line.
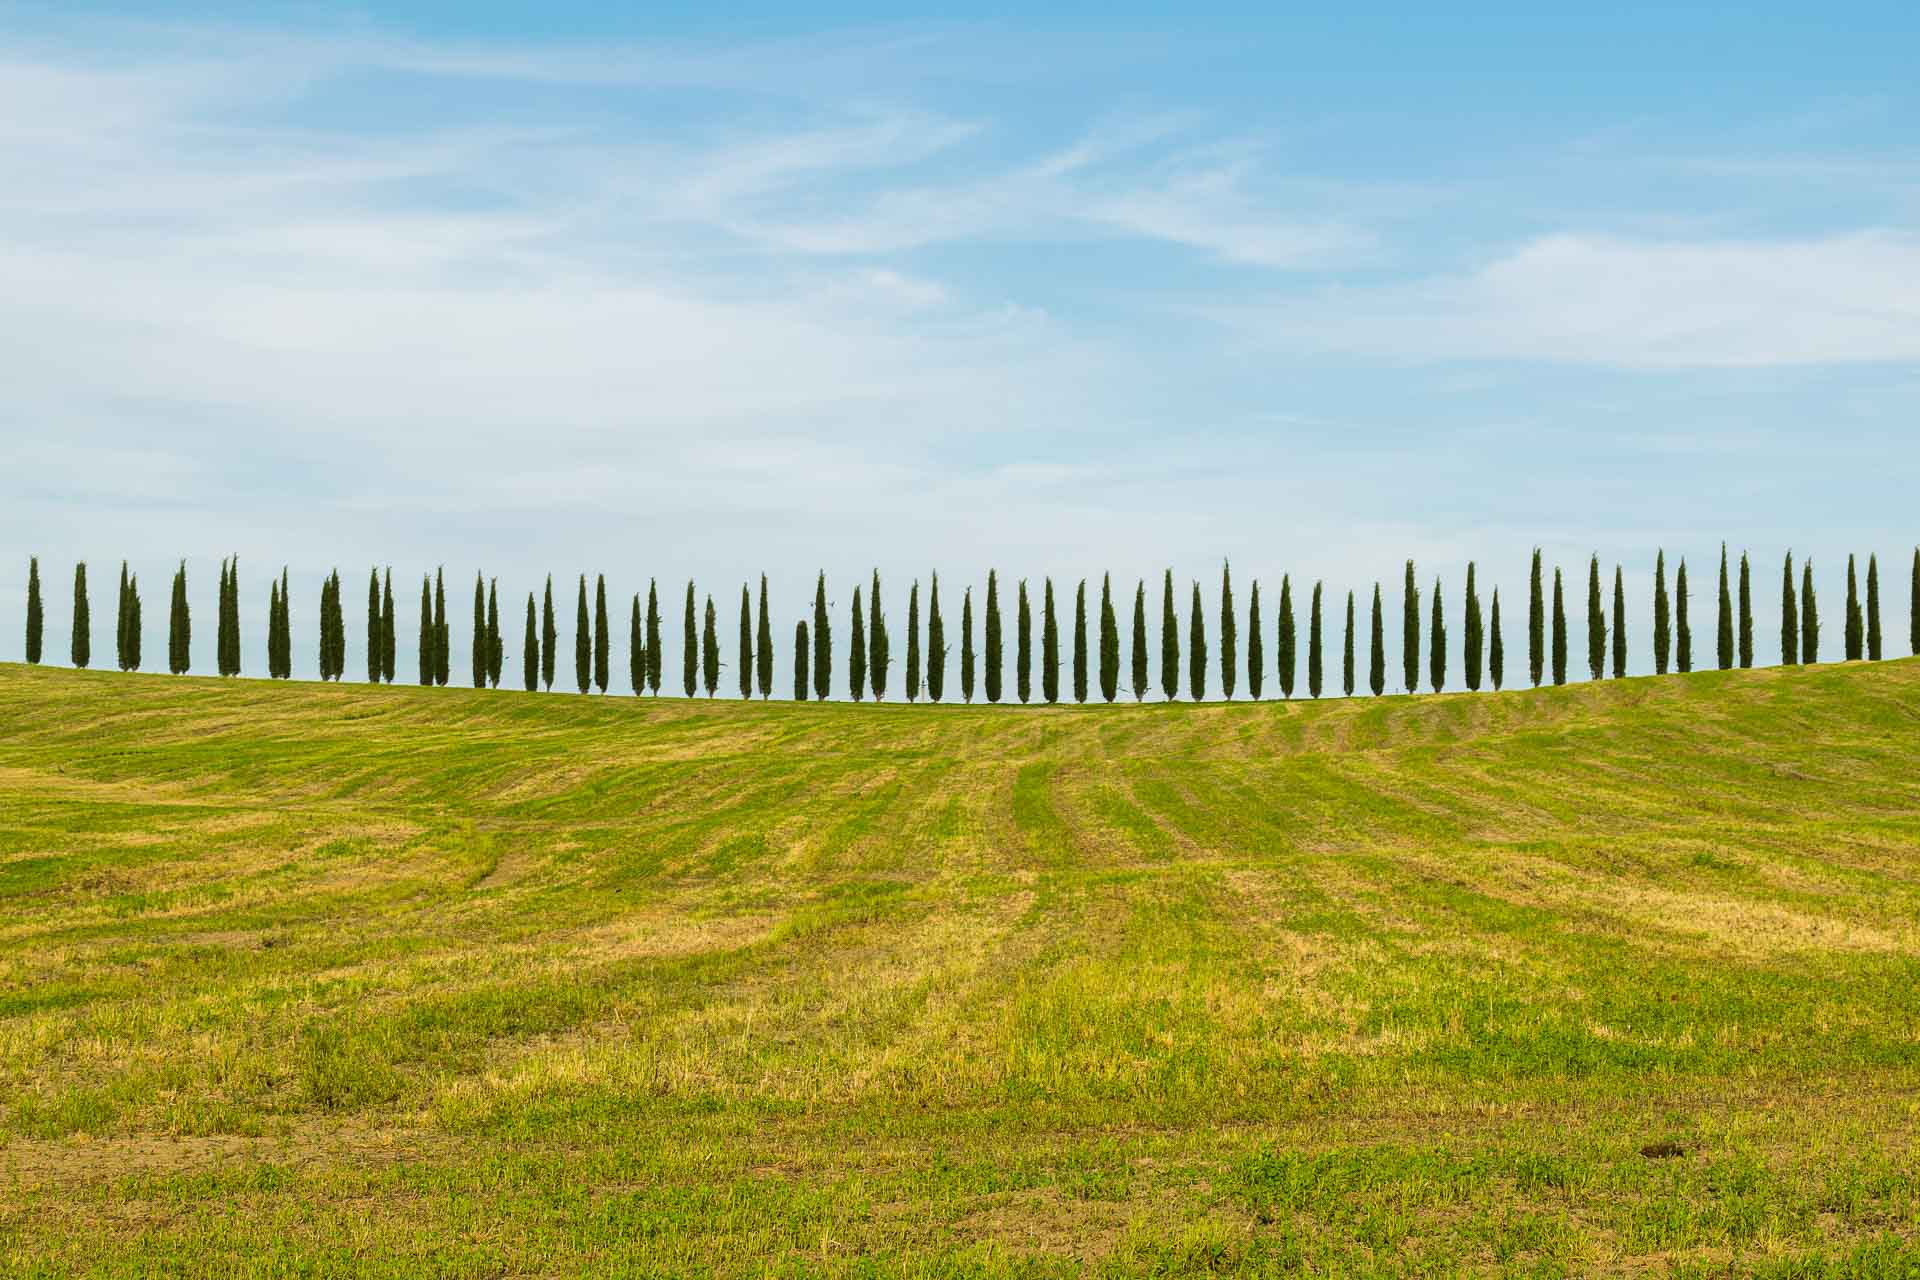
[870, 656]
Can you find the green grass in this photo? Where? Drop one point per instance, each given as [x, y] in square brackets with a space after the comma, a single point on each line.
[302, 980]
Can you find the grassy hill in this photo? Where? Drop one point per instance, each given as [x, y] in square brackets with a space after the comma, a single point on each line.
[1613, 978]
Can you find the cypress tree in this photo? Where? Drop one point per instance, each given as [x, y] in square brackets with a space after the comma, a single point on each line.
[1284, 663]
[1496, 648]
[1137, 650]
[1536, 623]
[389, 644]
[549, 637]
[878, 649]
[1109, 642]
[1809, 616]
[992, 655]
[1682, 631]
[234, 662]
[802, 652]
[936, 644]
[442, 637]
[1346, 652]
[1789, 617]
[285, 655]
[746, 642]
[1256, 645]
[426, 630]
[655, 653]
[1023, 647]
[689, 648]
[122, 615]
[763, 645]
[710, 650]
[1197, 648]
[1856, 633]
[1377, 647]
[530, 650]
[1619, 625]
[1559, 630]
[221, 621]
[37, 618]
[602, 635]
[1913, 606]
[1873, 607]
[1662, 624]
[1080, 642]
[822, 641]
[481, 657]
[583, 639]
[1746, 613]
[1049, 647]
[1596, 623]
[1229, 643]
[373, 627]
[857, 653]
[133, 631]
[1410, 633]
[966, 645]
[1725, 638]
[913, 641]
[337, 620]
[273, 628]
[1169, 643]
[496, 649]
[1437, 643]
[636, 649]
[1475, 640]
[179, 626]
[1314, 648]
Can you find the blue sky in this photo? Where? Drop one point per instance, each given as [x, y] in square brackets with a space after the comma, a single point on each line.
[554, 288]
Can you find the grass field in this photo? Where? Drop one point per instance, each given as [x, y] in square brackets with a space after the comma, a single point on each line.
[299, 980]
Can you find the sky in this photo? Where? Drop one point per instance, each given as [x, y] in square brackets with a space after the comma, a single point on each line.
[576, 288]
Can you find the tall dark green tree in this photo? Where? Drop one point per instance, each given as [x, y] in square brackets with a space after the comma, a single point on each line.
[1474, 636]
[1049, 646]
[966, 645]
[690, 647]
[1346, 652]
[1377, 647]
[583, 639]
[1662, 616]
[1080, 642]
[636, 649]
[1285, 657]
[1682, 629]
[1596, 623]
[1138, 648]
[1619, 625]
[122, 615]
[1746, 613]
[1855, 637]
[226, 620]
[822, 642]
[1315, 646]
[1809, 616]
[374, 650]
[710, 650]
[179, 626]
[1023, 647]
[1789, 616]
[1109, 642]
[1410, 632]
[936, 644]
[602, 635]
[1913, 606]
[857, 653]
[530, 650]
[335, 619]
[1256, 645]
[389, 635]
[802, 655]
[655, 650]
[991, 654]
[1723, 647]
[278, 624]
[763, 645]
[37, 614]
[426, 629]
[480, 652]
[496, 649]
[913, 641]
[442, 637]
[1873, 607]
[1559, 630]
[1197, 648]
[1536, 623]
[878, 648]
[134, 631]
[1229, 641]
[549, 637]
[1496, 647]
[1169, 643]
[1437, 643]
[745, 658]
